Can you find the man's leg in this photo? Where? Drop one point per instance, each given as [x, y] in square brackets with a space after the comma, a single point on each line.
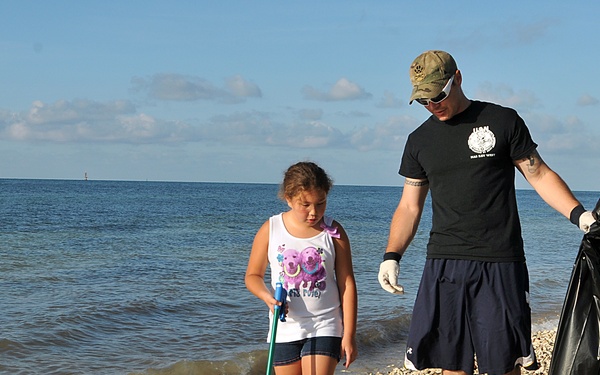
[515, 371]
[448, 372]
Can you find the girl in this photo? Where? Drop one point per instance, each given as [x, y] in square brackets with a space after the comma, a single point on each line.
[309, 253]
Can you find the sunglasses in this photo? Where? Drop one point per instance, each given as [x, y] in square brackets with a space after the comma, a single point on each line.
[440, 98]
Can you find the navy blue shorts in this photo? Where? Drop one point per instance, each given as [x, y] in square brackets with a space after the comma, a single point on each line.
[290, 352]
[466, 308]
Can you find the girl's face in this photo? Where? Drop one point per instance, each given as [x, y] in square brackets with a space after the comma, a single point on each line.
[308, 207]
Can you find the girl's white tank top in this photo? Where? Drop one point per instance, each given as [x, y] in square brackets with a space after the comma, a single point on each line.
[306, 268]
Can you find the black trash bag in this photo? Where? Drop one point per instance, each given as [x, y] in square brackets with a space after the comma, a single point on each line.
[577, 345]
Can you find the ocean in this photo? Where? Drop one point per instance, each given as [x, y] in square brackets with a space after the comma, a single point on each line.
[119, 277]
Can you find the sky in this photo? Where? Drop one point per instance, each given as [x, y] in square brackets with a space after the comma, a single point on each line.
[236, 91]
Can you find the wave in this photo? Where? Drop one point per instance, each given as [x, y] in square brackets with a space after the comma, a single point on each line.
[252, 363]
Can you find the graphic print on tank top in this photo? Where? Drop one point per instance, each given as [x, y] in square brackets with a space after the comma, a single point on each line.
[302, 269]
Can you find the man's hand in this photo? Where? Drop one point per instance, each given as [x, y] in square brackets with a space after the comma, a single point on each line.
[586, 220]
[582, 218]
[388, 276]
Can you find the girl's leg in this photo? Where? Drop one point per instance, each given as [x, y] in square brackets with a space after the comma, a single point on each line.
[291, 369]
[318, 365]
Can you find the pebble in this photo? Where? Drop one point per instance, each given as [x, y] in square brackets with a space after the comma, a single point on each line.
[543, 342]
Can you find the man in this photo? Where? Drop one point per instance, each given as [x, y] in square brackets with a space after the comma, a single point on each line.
[473, 297]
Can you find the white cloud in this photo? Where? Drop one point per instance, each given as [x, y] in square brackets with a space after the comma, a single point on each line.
[389, 100]
[87, 121]
[506, 96]
[587, 100]
[179, 87]
[560, 136]
[528, 33]
[311, 114]
[497, 35]
[342, 90]
[176, 87]
[313, 134]
[242, 88]
[76, 111]
[257, 128]
[390, 135]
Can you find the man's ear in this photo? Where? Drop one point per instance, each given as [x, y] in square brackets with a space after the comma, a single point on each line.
[457, 78]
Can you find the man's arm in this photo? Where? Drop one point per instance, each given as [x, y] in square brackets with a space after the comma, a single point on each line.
[547, 183]
[407, 215]
[402, 230]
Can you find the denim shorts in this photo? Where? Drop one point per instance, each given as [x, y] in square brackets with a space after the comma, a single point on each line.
[290, 352]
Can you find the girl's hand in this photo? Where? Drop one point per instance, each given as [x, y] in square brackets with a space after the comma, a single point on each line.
[271, 302]
[349, 350]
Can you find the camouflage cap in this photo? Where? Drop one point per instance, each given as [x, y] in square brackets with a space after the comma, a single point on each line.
[429, 73]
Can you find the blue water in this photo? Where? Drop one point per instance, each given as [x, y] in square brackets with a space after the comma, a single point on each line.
[114, 277]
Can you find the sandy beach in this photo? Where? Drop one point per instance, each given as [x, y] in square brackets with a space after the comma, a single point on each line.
[543, 342]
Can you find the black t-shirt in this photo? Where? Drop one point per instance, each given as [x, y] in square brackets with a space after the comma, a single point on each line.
[468, 161]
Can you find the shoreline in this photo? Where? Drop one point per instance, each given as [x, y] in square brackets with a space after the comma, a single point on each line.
[543, 343]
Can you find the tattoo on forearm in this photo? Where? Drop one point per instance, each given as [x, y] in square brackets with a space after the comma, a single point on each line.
[416, 183]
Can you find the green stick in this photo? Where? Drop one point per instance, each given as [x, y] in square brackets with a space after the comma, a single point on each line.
[278, 314]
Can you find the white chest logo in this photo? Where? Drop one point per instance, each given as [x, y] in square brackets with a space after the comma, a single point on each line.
[482, 140]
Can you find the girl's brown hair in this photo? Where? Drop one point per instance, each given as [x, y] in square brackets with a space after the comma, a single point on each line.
[304, 176]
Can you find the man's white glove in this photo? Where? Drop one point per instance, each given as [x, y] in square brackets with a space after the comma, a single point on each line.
[582, 218]
[586, 220]
[388, 276]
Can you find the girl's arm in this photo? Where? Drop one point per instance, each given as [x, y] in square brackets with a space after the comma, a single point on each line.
[257, 265]
[348, 295]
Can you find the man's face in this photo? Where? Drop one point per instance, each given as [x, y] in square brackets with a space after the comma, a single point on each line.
[450, 105]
